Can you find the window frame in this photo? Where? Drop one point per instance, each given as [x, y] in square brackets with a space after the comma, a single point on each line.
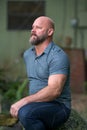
[18, 20]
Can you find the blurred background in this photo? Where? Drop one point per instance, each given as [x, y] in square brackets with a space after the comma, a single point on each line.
[16, 18]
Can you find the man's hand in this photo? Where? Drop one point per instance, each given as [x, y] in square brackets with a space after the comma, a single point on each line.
[15, 108]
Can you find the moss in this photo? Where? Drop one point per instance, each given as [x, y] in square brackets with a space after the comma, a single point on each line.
[75, 122]
[7, 120]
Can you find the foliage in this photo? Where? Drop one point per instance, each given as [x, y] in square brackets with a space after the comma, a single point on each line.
[11, 91]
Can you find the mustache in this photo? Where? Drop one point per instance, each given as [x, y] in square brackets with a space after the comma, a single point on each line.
[33, 34]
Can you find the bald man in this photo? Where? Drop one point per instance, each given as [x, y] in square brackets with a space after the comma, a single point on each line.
[49, 102]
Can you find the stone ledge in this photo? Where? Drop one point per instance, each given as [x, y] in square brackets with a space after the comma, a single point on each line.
[75, 122]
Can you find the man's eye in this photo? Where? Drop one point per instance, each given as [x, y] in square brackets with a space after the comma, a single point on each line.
[39, 27]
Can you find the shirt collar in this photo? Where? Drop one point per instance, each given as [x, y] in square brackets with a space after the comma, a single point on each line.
[47, 48]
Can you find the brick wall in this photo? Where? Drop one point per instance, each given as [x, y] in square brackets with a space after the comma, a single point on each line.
[77, 61]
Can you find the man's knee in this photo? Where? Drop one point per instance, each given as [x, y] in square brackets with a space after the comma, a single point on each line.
[26, 111]
[21, 114]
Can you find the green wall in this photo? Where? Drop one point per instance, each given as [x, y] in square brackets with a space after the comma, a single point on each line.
[13, 43]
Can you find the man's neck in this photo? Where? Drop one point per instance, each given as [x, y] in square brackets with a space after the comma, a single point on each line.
[41, 47]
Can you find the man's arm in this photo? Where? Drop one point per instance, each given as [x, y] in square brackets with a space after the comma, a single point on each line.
[49, 93]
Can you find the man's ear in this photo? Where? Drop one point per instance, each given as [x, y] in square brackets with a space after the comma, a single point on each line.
[50, 31]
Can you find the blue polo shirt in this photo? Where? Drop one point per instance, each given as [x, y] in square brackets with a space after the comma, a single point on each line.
[52, 61]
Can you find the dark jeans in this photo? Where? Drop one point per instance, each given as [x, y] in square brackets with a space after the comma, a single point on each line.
[43, 115]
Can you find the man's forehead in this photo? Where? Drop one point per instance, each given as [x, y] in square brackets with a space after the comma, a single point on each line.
[43, 20]
[40, 22]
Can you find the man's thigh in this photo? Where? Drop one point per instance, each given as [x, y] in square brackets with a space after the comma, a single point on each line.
[50, 113]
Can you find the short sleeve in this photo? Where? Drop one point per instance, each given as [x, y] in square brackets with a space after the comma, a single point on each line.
[59, 64]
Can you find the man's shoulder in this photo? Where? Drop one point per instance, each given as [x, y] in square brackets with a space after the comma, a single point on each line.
[57, 53]
[57, 50]
[28, 51]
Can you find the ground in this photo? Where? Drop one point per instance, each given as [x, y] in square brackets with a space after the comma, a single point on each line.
[79, 103]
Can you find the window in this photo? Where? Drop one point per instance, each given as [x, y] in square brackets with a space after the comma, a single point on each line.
[21, 14]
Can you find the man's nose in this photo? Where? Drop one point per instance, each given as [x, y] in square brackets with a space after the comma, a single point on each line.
[33, 29]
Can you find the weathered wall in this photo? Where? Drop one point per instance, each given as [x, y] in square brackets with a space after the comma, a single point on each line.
[77, 62]
[13, 43]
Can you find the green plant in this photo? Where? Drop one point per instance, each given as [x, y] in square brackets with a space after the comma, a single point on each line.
[15, 91]
[11, 90]
[22, 90]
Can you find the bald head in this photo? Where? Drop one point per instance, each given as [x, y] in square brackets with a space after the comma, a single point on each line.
[46, 20]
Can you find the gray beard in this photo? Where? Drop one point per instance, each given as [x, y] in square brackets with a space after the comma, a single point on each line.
[38, 41]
